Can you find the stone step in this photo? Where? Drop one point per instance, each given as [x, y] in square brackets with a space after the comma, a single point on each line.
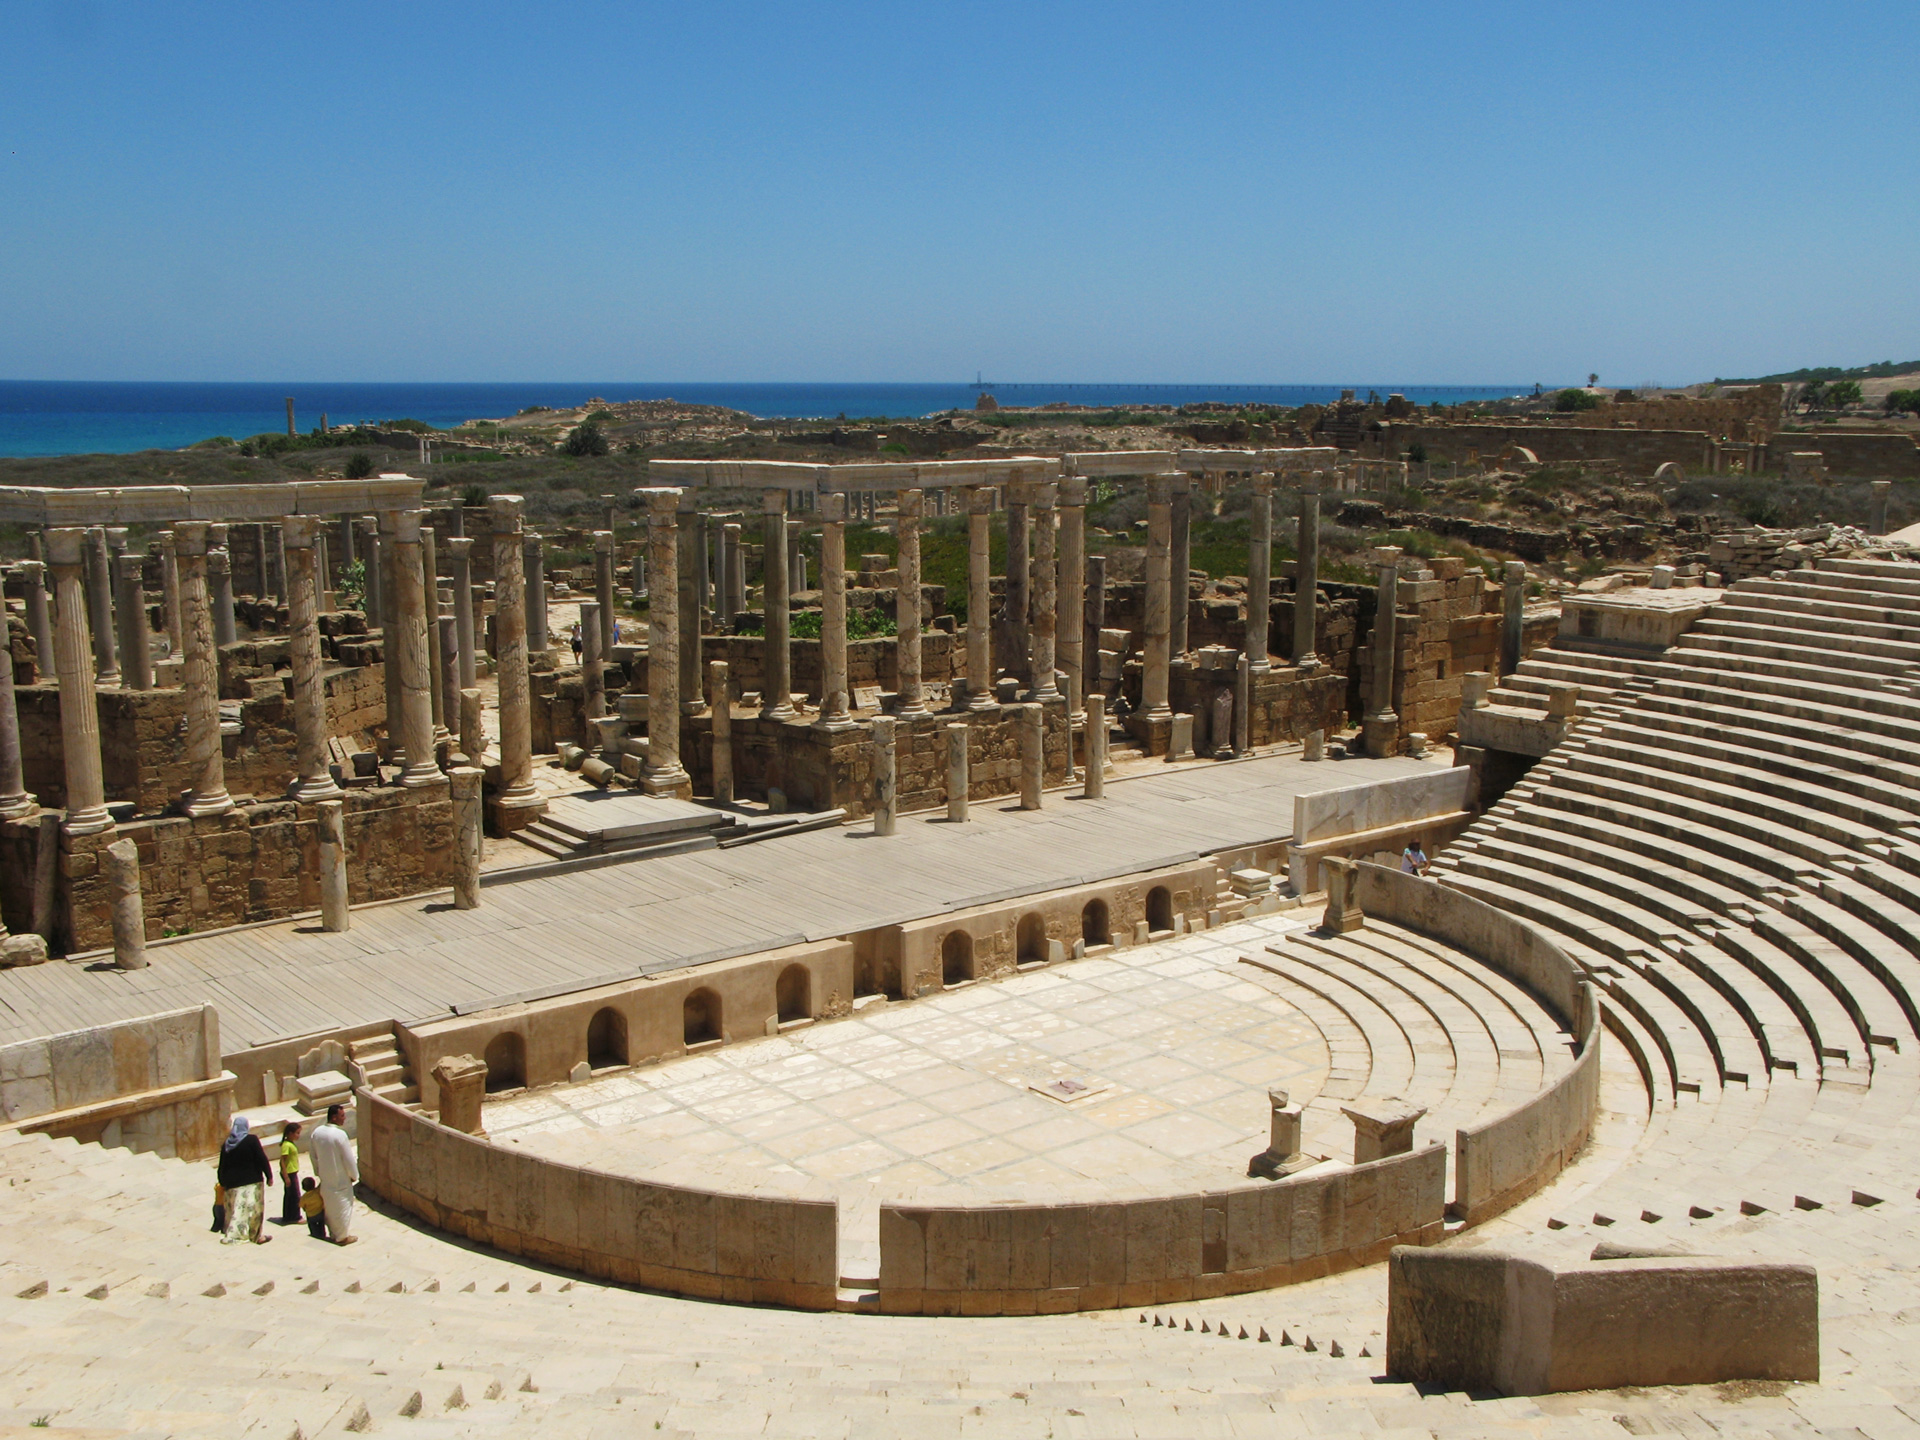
[1856, 688]
[1784, 631]
[1815, 706]
[1861, 754]
[1867, 670]
[1817, 622]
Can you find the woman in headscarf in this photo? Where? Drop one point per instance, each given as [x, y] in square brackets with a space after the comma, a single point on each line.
[244, 1173]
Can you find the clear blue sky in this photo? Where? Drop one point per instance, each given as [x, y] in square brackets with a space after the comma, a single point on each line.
[1101, 192]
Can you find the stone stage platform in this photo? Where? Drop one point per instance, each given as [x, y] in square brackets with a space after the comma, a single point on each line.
[419, 958]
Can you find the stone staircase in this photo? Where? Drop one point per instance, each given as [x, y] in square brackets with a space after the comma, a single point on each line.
[381, 1068]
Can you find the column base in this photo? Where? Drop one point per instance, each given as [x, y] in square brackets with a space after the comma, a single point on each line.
[1380, 734]
[420, 776]
[94, 821]
[670, 784]
[516, 809]
[197, 806]
[14, 806]
[777, 712]
[313, 790]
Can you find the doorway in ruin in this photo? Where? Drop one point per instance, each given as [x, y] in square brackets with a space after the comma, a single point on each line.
[700, 1017]
[956, 958]
[793, 994]
[506, 1058]
[606, 1039]
[1031, 939]
[1094, 926]
[1159, 909]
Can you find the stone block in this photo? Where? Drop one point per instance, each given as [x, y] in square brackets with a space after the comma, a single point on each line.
[312, 1094]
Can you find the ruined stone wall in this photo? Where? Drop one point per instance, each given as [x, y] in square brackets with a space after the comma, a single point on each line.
[1641, 451]
[1855, 454]
[256, 862]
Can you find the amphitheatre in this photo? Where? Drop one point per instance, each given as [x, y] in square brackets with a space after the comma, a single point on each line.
[779, 993]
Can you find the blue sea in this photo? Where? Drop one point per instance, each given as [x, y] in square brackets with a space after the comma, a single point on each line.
[62, 417]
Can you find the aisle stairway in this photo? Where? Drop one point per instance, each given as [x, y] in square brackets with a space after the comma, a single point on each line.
[1728, 844]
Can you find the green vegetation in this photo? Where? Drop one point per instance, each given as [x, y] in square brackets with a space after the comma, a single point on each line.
[1903, 402]
[359, 465]
[351, 587]
[861, 625]
[1832, 372]
[1568, 401]
[587, 439]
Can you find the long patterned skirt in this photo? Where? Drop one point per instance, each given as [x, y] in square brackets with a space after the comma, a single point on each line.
[243, 1214]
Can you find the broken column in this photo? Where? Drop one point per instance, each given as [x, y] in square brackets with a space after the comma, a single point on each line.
[664, 775]
[73, 664]
[407, 634]
[136, 661]
[1383, 1128]
[1032, 754]
[1306, 574]
[833, 612]
[372, 572]
[464, 784]
[884, 793]
[958, 734]
[460, 558]
[312, 780]
[1282, 1155]
[603, 591]
[720, 707]
[122, 864]
[1259, 572]
[462, 1083]
[1096, 778]
[200, 675]
[170, 591]
[1043, 597]
[331, 826]
[1342, 877]
[1382, 724]
[776, 700]
[100, 608]
[592, 667]
[1878, 490]
[473, 734]
[449, 671]
[979, 597]
[1156, 643]
[39, 616]
[220, 581]
[1513, 616]
[906, 607]
[517, 803]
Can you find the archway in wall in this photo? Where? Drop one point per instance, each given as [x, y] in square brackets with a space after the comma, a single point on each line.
[700, 1017]
[1094, 926]
[1159, 908]
[506, 1058]
[1032, 940]
[793, 994]
[606, 1039]
[956, 958]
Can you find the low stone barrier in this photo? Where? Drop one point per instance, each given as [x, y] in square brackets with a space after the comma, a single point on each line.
[151, 1084]
[1050, 1259]
[761, 1249]
[1380, 815]
[1489, 1320]
[1501, 1161]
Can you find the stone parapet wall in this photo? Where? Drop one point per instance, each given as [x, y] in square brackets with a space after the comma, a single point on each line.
[751, 1249]
[1852, 454]
[256, 862]
[1053, 1259]
[1640, 451]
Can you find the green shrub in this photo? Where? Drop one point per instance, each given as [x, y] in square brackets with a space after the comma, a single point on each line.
[587, 439]
[359, 465]
[1568, 401]
[351, 587]
[474, 496]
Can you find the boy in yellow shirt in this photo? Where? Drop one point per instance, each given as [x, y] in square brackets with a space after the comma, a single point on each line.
[314, 1208]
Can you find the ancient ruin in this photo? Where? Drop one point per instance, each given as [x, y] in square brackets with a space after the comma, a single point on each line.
[1417, 976]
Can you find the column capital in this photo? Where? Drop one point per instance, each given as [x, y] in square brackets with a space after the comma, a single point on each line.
[833, 507]
[1263, 482]
[190, 537]
[402, 526]
[300, 531]
[65, 546]
[1313, 482]
[32, 569]
[774, 501]
[662, 502]
[1515, 572]
[219, 561]
[1043, 494]
[460, 547]
[367, 526]
[908, 503]
[603, 542]
[1160, 488]
[506, 513]
[117, 538]
[1384, 557]
[1073, 490]
[979, 499]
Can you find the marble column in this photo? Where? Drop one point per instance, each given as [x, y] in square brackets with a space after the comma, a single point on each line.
[1180, 564]
[1513, 616]
[346, 537]
[200, 675]
[536, 573]
[517, 802]
[39, 616]
[1071, 641]
[460, 561]
[1382, 725]
[834, 692]
[1044, 619]
[392, 607]
[430, 617]
[885, 780]
[449, 653]
[732, 601]
[906, 603]
[593, 667]
[220, 578]
[332, 828]
[720, 707]
[473, 733]
[1033, 757]
[1096, 770]
[136, 660]
[464, 784]
[262, 581]
[664, 775]
[279, 564]
[1019, 582]
[106, 660]
[1096, 616]
[777, 701]
[1259, 573]
[312, 779]
[703, 569]
[73, 663]
[603, 591]
[796, 558]
[371, 569]
[121, 862]
[979, 597]
[170, 594]
[958, 734]
[14, 799]
[1306, 575]
[687, 569]
[1156, 646]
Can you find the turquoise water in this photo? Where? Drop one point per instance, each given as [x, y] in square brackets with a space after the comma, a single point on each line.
[62, 417]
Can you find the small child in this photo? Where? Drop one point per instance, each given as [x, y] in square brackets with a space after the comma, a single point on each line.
[219, 1208]
[290, 1173]
[314, 1208]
